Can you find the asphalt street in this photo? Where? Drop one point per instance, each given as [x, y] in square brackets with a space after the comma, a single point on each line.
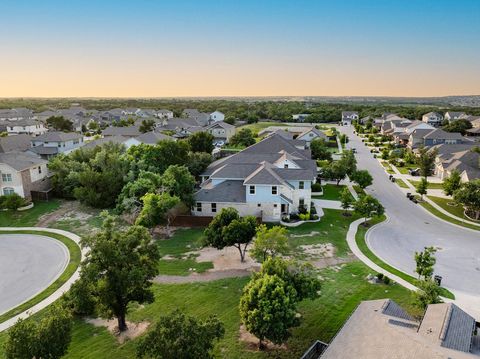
[410, 228]
[28, 264]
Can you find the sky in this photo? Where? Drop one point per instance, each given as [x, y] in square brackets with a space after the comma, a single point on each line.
[147, 48]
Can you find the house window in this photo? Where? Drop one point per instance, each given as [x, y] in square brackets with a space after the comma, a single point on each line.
[275, 205]
[259, 205]
[6, 177]
[252, 189]
[8, 190]
[274, 190]
[39, 169]
[199, 206]
[285, 165]
[301, 185]
[214, 207]
[301, 202]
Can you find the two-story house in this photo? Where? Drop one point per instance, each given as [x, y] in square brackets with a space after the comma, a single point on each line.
[26, 126]
[222, 131]
[162, 113]
[52, 143]
[348, 117]
[270, 179]
[310, 134]
[433, 118]
[216, 116]
[22, 173]
[451, 116]
[438, 137]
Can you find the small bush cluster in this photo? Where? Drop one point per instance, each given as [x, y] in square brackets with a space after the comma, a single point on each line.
[11, 201]
[383, 278]
[316, 187]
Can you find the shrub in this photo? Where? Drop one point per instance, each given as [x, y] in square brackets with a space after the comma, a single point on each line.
[316, 187]
[379, 276]
[302, 209]
[313, 210]
[12, 201]
[386, 280]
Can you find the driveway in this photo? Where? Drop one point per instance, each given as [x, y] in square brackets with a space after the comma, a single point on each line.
[410, 228]
[28, 264]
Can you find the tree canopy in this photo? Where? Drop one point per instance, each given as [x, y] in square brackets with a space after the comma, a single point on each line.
[367, 206]
[452, 183]
[156, 209]
[426, 161]
[244, 137]
[269, 242]
[60, 123]
[178, 181]
[201, 142]
[363, 178]
[425, 261]
[320, 151]
[469, 195]
[147, 125]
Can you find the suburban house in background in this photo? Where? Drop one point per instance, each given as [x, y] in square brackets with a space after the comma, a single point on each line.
[27, 126]
[221, 130]
[129, 131]
[348, 117]
[300, 117]
[164, 114]
[216, 116]
[451, 116]
[15, 143]
[382, 329]
[461, 158]
[53, 143]
[433, 118]
[270, 179]
[310, 134]
[23, 173]
[16, 114]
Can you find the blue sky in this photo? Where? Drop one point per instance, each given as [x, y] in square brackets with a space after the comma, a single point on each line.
[215, 48]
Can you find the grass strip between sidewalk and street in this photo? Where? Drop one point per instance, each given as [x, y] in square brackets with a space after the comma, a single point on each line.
[443, 216]
[362, 245]
[74, 262]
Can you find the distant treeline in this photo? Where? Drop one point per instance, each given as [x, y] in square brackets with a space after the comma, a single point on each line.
[238, 109]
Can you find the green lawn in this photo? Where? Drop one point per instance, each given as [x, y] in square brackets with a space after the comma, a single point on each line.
[179, 263]
[431, 185]
[455, 209]
[401, 183]
[362, 245]
[439, 214]
[29, 217]
[404, 169]
[331, 192]
[387, 167]
[74, 262]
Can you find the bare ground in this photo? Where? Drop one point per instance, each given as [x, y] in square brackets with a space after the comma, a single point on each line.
[252, 341]
[134, 329]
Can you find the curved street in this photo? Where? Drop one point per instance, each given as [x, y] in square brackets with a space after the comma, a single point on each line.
[410, 228]
[29, 263]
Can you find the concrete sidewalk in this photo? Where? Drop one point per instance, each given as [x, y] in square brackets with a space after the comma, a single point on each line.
[60, 291]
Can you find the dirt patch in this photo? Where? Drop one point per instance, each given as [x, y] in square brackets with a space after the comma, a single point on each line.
[48, 218]
[319, 250]
[311, 234]
[224, 259]
[207, 276]
[252, 341]
[329, 262]
[134, 329]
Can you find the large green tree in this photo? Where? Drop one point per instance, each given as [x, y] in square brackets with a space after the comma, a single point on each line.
[346, 200]
[198, 162]
[452, 183]
[363, 178]
[178, 181]
[119, 267]
[201, 142]
[130, 197]
[469, 195]
[320, 150]
[422, 187]
[426, 161]
[48, 337]
[367, 206]
[244, 137]
[60, 123]
[229, 229]
[147, 125]
[460, 126]
[182, 337]
[428, 293]
[156, 209]
[270, 242]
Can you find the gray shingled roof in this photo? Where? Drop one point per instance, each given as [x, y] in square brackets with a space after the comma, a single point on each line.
[392, 309]
[221, 124]
[441, 134]
[457, 329]
[239, 171]
[15, 143]
[264, 175]
[20, 160]
[130, 131]
[109, 139]
[57, 136]
[152, 138]
[227, 191]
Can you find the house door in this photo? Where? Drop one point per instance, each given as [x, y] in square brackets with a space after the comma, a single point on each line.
[284, 208]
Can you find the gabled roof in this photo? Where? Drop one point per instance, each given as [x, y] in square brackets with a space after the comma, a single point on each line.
[57, 136]
[130, 131]
[15, 143]
[109, 139]
[21, 161]
[221, 124]
[264, 174]
[283, 133]
[441, 134]
[227, 191]
[152, 137]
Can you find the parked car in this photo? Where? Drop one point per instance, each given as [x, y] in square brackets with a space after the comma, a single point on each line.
[408, 194]
[414, 172]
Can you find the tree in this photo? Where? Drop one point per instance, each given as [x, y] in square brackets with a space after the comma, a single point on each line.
[335, 171]
[130, 197]
[60, 123]
[47, 338]
[426, 161]
[428, 293]
[425, 262]
[347, 199]
[269, 242]
[319, 148]
[422, 187]
[198, 162]
[367, 206]
[201, 142]
[460, 126]
[178, 181]
[119, 267]
[147, 125]
[469, 196]
[349, 162]
[244, 137]
[363, 178]
[269, 300]
[156, 209]
[228, 229]
[183, 337]
[452, 183]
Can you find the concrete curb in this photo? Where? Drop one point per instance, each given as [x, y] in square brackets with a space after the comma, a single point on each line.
[60, 291]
